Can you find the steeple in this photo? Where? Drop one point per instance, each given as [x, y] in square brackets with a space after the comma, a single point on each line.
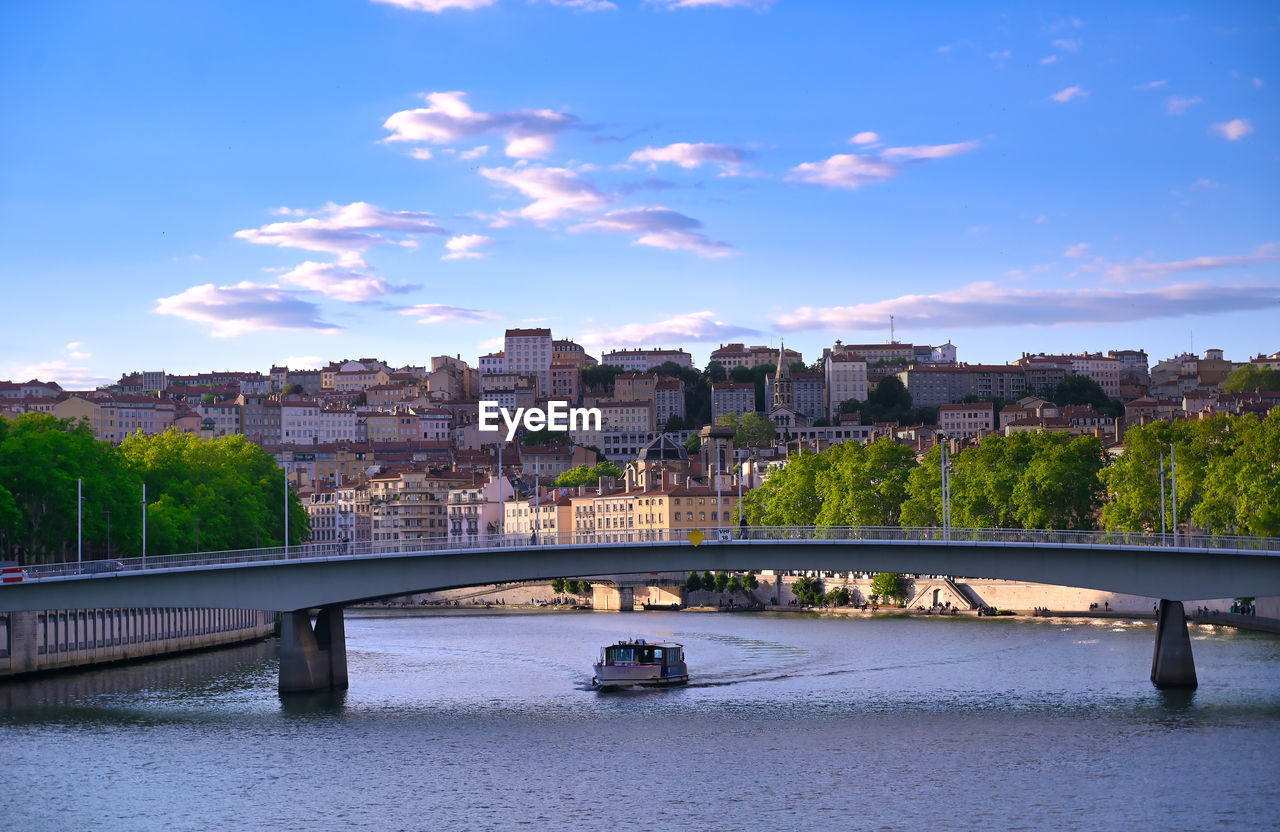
[782, 393]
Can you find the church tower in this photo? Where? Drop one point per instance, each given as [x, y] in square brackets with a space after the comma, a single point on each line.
[783, 397]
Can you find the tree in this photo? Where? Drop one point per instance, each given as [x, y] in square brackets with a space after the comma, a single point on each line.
[750, 430]
[798, 367]
[293, 390]
[1082, 390]
[751, 582]
[545, 437]
[839, 597]
[557, 586]
[1060, 488]
[864, 485]
[807, 590]
[588, 475]
[889, 402]
[715, 372]
[889, 585]
[789, 497]
[693, 444]
[923, 506]
[600, 377]
[1251, 377]
[1242, 488]
[694, 582]
[722, 581]
[708, 581]
[735, 584]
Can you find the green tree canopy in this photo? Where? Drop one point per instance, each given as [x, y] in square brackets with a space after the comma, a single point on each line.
[1251, 377]
[889, 585]
[750, 430]
[588, 475]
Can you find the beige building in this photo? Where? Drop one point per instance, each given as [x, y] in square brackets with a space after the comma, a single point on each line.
[966, 421]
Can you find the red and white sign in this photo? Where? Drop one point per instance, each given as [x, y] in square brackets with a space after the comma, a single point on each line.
[12, 575]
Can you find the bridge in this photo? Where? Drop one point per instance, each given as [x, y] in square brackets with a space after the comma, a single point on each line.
[328, 577]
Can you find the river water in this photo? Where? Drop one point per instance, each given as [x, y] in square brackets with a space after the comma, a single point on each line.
[474, 720]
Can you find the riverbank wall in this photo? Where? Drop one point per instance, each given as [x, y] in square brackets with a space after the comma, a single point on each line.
[34, 642]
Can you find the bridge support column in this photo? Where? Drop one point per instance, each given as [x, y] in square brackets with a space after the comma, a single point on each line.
[1172, 665]
[312, 659]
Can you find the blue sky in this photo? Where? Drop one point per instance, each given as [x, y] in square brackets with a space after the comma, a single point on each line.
[220, 184]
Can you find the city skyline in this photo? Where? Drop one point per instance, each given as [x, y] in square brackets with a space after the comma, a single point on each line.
[240, 186]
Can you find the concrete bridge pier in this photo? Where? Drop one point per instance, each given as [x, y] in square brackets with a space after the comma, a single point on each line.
[1172, 665]
[312, 659]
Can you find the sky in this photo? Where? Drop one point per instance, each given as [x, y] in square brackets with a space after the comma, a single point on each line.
[227, 185]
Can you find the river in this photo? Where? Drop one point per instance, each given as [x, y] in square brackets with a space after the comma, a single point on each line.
[475, 720]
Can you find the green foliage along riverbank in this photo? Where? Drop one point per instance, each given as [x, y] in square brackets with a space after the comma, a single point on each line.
[1228, 482]
[202, 495]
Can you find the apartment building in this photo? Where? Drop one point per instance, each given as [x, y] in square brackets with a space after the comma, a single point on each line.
[627, 416]
[639, 361]
[732, 397]
[634, 386]
[299, 421]
[528, 352]
[808, 395]
[259, 419]
[966, 421]
[668, 400]
[844, 378]
[739, 355]
[931, 386]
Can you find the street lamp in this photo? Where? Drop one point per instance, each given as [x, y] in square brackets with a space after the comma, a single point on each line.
[945, 451]
[144, 525]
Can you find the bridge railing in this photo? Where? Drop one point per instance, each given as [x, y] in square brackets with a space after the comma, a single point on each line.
[762, 535]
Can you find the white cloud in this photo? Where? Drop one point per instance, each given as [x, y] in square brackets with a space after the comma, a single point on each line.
[474, 153]
[303, 362]
[1000, 55]
[1077, 250]
[438, 313]
[1257, 82]
[988, 304]
[1063, 96]
[244, 307]
[69, 376]
[556, 192]
[1050, 59]
[344, 230]
[1141, 270]
[73, 350]
[1150, 85]
[726, 4]
[852, 170]
[286, 211]
[661, 228]
[1233, 130]
[1177, 104]
[349, 281]
[438, 5]
[449, 119]
[1067, 44]
[460, 247]
[585, 5]
[692, 326]
[1040, 219]
[688, 156]
[865, 137]
[423, 153]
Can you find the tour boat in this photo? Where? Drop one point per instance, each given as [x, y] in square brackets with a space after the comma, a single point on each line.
[627, 663]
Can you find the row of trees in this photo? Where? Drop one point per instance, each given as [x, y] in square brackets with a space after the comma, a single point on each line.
[1228, 482]
[722, 582]
[571, 586]
[886, 585]
[202, 495]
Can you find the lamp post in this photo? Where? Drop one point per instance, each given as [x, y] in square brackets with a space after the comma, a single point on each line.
[1173, 468]
[107, 512]
[945, 452]
[1162, 515]
[144, 525]
[286, 506]
[79, 523]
